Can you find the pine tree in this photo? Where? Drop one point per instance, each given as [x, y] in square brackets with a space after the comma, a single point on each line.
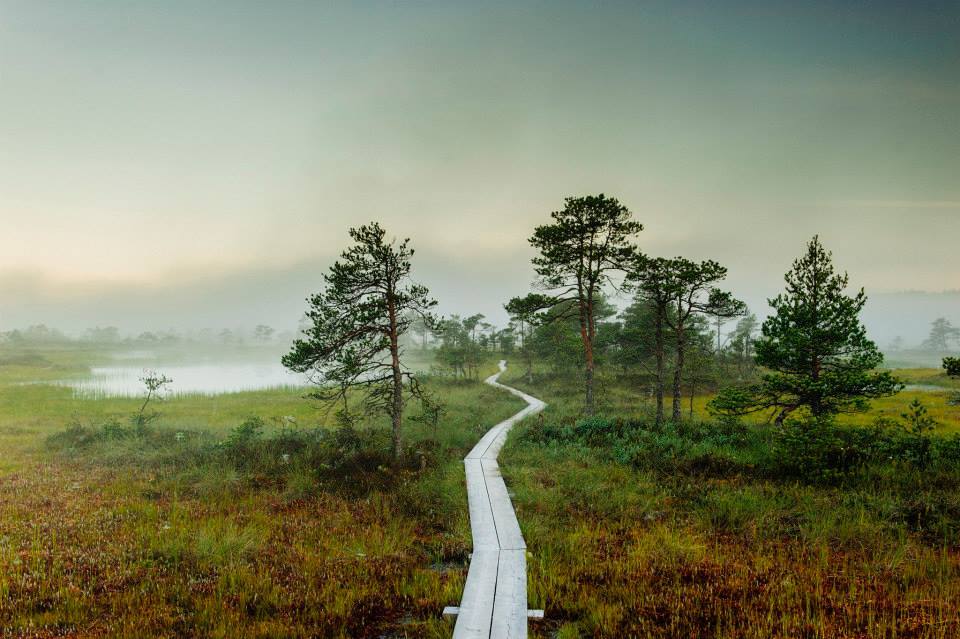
[942, 332]
[814, 347]
[356, 322]
[695, 295]
[679, 291]
[655, 282]
[588, 243]
[525, 312]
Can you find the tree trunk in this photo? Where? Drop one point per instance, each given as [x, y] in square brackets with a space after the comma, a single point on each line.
[693, 389]
[781, 417]
[678, 373]
[588, 375]
[587, 337]
[396, 404]
[660, 358]
[588, 407]
[718, 337]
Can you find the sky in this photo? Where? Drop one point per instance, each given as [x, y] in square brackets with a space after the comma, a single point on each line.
[192, 164]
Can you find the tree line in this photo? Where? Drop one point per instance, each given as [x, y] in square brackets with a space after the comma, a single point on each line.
[812, 350]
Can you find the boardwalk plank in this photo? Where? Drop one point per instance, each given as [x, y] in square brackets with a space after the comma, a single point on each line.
[504, 517]
[510, 600]
[494, 603]
[476, 608]
[482, 525]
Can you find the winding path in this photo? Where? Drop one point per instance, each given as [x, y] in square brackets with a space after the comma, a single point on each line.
[494, 602]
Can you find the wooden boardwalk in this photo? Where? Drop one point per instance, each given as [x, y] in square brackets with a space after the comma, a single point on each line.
[494, 602]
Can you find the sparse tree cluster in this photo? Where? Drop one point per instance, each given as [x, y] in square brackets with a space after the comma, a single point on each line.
[812, 353]
[460, 351]
[680, 294]
[587, 247]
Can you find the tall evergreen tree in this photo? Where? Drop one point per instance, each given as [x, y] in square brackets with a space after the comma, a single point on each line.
[355, 324]
[655, 283]
[815, 348]
[694, 295]
[741, 345]
[525, 312]
[586, 246]
[942, 333]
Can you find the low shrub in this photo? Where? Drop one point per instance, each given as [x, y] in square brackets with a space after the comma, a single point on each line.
[818, 450]
[355, 460]
[804, 448]
[74, 436]
[694, 448]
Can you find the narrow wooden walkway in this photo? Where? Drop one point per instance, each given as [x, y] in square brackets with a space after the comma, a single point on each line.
[494, 602]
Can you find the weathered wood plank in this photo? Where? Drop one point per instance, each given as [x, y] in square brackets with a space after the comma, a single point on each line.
[510, 600]
[476, 606]
[483, 445]
[504, 517]
[482, 525]
[494, 603]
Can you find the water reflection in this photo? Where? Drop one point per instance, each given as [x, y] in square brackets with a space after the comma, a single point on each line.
[206, 379]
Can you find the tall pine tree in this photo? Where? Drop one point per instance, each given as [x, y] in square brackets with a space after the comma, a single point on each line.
[814, 347]
[356, 322]
[586, 247]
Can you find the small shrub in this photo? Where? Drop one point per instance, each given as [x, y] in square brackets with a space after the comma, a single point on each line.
[301, 484]
[76, 435]
[947, 450]
[223, 542]
[113, 429]
[242, 444]
[918, 425]
[596, 430]
[933, 514]
[817, 449]
[952, 366]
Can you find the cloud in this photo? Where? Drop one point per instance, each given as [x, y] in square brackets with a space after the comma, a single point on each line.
[242, 298]
[900, 204]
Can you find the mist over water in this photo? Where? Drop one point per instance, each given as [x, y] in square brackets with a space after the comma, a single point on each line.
[204, 379]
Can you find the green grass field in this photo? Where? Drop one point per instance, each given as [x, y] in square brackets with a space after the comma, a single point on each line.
[121, 540]
[702, 544]
[154, 536]
[620, 396]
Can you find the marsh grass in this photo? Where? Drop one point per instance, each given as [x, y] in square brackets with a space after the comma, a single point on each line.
[199, 526]
[700, 530]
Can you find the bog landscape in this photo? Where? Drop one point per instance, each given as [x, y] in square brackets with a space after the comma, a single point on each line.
[357, 357]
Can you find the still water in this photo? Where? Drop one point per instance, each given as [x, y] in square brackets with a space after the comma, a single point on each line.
[205, 378]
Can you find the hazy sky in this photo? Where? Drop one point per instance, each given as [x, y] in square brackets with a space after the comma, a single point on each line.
[198, 163]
